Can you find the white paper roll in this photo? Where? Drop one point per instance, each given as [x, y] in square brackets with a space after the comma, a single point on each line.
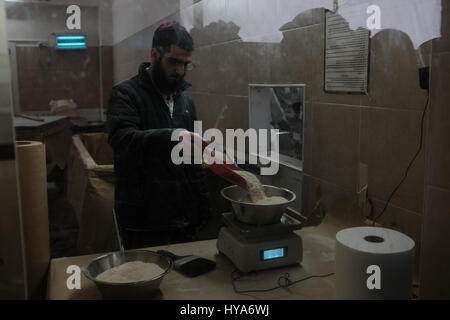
[373, 263]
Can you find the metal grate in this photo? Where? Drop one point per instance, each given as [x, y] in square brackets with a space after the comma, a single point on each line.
[346, 56]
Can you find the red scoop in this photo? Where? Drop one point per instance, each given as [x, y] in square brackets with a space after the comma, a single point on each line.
[228, 172]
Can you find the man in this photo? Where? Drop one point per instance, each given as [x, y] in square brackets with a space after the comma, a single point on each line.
[156, 201]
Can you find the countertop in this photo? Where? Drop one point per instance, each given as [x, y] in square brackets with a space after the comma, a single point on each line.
[318, 259]
[27, 123]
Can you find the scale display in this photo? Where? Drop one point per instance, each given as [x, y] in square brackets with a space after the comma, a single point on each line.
[273, 253]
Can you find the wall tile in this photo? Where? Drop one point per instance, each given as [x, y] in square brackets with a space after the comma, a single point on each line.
[406, 222]
[291, 180]
[121, 51]
[394, 75]
[214, 33]
[187, 3]
[126, 50]
[400, 219]
[208, 108]
[305, 18]
[439, 111]
[132, 16]
[435, 260]
[124, 71]
[201, 76]
[318, 15]
[221, 111]
[442, 44]
[141, 46]
[288, 62]
[319, 197]
[294, 65]
[107, 72]
[309, 199]
[389, 140]
[335, 144]
[237, 118]
[133, 50]
[58, 75]
[231, 68]
[264, 62]
[221, 69]
[424, 53]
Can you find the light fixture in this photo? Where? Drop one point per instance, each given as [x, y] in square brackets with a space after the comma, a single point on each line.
[70, 42]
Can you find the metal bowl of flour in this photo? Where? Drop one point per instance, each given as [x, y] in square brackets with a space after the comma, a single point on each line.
[259, 214]
[145, 289]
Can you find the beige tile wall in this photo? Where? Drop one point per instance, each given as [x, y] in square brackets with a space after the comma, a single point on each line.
[45, 75]
[389, 139]
[106, 73]
[435, 260]
[341, 130]
[336, 124]
[435, 243]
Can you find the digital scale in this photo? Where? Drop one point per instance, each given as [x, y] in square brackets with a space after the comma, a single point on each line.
[258, 247]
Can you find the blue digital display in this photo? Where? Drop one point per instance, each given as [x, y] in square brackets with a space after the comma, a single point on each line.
[273, 253]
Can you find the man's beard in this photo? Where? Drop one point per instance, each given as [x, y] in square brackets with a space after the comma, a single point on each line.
[161, 80]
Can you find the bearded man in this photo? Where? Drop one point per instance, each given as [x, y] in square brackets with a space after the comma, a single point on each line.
[156, 201]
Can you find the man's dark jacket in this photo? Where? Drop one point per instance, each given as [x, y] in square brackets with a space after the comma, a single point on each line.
[151, 191]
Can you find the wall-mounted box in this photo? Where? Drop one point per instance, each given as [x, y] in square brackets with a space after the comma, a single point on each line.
[280, 106]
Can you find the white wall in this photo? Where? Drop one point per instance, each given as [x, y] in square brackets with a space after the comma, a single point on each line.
[106, 22]
[132, 16]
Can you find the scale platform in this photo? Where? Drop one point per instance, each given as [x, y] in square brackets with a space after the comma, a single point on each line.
[259, 247]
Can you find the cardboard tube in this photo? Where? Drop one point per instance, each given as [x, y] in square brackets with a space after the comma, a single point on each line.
[32, 174]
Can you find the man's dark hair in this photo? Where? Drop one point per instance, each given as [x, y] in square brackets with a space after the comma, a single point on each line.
[172, 33]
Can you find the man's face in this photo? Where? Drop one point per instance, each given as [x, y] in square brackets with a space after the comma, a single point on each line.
[168, 70]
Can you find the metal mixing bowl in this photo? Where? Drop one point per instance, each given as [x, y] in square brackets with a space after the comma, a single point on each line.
[130, 290]
[259, 214]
